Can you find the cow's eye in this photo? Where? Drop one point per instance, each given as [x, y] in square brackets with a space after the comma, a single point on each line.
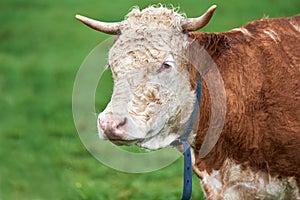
[166, 65]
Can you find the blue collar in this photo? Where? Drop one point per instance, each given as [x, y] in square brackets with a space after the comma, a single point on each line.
[187, 180]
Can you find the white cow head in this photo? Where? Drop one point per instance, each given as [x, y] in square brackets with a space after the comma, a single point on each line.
[152, 98]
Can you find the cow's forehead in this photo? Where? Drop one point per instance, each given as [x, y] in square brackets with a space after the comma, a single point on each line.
[147, 37]
[149, 47]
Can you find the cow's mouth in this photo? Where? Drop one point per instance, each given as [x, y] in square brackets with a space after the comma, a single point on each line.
[120, 142]
[122, 130]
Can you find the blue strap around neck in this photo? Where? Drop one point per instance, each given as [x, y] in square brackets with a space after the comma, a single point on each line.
[187, 172]
[194, 114]
[187, 180]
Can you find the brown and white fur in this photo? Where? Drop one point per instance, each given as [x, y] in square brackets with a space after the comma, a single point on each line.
[257, 155]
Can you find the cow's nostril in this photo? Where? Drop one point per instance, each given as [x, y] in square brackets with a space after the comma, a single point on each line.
[122, 123]
[111, 124]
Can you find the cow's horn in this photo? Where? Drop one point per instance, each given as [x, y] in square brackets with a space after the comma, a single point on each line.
[193, 24]
[105, 27]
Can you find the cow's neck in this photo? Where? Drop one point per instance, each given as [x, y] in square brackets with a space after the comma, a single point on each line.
[215, 45]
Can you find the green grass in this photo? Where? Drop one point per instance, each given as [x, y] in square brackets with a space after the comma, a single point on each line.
[41, 49]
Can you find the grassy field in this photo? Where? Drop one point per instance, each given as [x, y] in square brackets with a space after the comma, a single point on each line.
[41, 49]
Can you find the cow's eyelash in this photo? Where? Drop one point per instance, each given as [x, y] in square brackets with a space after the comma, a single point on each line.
[166, 65]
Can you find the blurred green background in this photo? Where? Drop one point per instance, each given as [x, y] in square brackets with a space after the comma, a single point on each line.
[41, 49]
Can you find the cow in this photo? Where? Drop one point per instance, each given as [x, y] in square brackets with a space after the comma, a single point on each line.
[155, 62]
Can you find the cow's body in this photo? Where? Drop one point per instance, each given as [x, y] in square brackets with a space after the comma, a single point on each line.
[258, 153]
[259, 147]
